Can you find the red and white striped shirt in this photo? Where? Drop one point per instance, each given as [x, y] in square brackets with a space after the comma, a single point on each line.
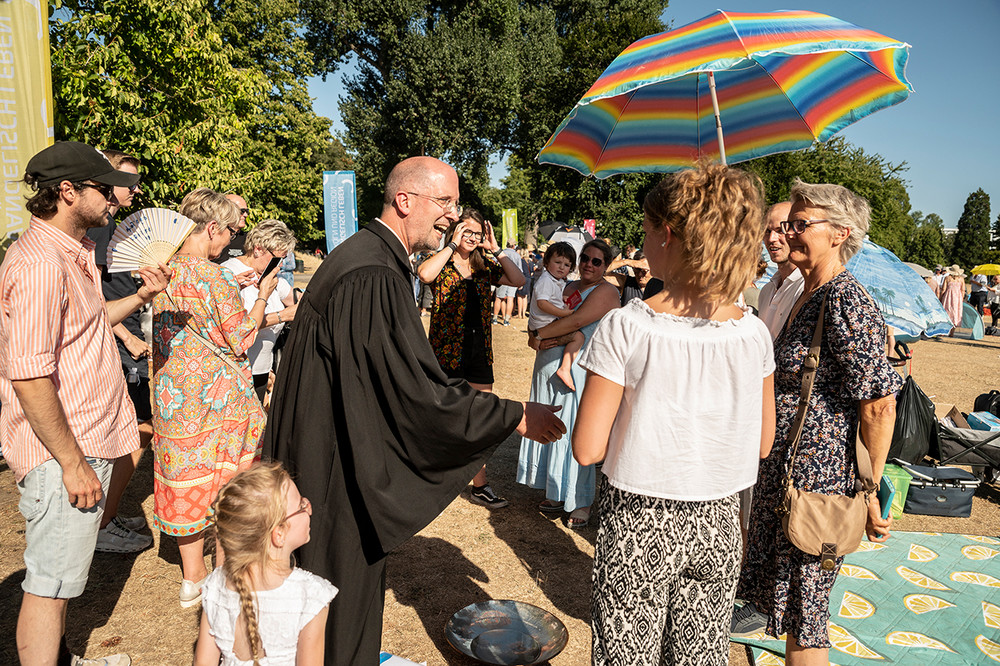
[53, 323]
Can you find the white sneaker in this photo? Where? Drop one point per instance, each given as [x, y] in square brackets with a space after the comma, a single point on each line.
[115, 538]
[111, 660]
[191, 592]
[135, 523]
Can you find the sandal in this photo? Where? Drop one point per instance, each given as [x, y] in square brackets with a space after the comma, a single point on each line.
[579, 518]
[550, 506]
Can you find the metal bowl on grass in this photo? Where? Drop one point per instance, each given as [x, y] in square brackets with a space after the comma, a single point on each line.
[507, 633]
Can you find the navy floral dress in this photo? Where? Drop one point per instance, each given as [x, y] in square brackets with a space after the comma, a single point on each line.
[779, 579]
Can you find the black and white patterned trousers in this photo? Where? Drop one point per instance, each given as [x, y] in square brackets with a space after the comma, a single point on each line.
[665, 577]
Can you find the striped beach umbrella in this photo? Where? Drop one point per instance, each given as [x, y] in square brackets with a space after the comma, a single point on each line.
[771, 82]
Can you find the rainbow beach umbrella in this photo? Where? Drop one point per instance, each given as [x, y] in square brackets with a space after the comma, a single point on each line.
[775, 82]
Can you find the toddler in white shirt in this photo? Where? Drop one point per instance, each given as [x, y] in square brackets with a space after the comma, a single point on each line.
[547, 303]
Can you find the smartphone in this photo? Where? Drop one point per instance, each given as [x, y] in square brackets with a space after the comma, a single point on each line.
[271, 265]
[886, 491]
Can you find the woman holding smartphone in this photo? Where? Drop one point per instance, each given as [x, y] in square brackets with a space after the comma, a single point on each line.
[267, 243]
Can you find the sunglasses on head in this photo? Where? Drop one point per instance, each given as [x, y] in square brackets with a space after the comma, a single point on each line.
[596, 262]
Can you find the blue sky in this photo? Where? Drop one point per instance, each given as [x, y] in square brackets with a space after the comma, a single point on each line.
[946, 131]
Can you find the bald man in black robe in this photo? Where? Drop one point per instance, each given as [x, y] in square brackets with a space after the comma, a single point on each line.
[374, 432]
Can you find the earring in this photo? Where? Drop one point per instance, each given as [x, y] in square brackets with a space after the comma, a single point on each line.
[663, 244]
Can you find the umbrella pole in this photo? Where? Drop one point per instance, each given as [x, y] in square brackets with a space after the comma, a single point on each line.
[718, 120]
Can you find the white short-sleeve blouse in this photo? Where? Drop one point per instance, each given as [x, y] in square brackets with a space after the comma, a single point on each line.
[689, 423]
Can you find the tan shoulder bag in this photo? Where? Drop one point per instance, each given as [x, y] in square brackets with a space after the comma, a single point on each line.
[825, 525]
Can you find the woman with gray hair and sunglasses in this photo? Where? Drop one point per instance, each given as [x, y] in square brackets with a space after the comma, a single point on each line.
[268, 240]
[787, 590]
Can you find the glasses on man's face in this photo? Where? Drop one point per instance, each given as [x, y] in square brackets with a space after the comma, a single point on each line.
[596, 262]
[305, 506]
[474, 235]
[447, 205]
[798, 226]
[106, 190]
[135, 188]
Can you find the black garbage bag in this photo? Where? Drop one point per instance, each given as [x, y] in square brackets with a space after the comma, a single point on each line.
[916, 431]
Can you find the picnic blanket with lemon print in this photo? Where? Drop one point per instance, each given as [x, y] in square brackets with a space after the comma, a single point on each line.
[919, 598]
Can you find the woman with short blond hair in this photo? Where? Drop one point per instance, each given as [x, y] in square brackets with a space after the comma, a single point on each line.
[207, 422]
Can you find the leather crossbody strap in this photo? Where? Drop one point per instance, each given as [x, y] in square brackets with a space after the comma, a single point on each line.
[212, 347]
[866, 481]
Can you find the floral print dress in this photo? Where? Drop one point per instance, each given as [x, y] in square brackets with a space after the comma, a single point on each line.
[207, 422]
[448, 316]
[782, 581]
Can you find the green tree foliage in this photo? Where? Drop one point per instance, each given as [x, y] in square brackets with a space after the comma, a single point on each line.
[840, 163]
[465, 81]
[288, 140]
[926, 246]
[204, 92]
[972, 240]
[434, 79]
[155, 79]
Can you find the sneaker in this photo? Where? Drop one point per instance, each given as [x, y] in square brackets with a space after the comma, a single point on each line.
[110, 660]
[484, 496]
[495, 322]
[506, 322]
[747, 620]
[135, 523]
[191, 592]
[118, 539]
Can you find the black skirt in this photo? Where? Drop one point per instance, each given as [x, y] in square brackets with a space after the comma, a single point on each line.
[475, 366]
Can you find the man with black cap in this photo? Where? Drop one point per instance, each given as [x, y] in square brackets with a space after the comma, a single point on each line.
[66, 415]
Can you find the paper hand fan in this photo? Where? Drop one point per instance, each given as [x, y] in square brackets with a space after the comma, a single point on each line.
[147, 238]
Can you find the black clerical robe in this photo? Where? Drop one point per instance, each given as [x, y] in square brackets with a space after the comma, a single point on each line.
[371, 428]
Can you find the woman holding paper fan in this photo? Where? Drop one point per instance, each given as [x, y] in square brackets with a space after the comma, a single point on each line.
[207, 422]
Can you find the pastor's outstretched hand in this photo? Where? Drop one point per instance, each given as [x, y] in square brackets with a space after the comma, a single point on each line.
[540, 423]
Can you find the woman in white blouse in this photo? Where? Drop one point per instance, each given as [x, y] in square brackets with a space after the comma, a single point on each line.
[268, 240]
[679, 403]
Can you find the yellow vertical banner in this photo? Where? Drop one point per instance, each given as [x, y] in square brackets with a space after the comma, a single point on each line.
[509, 229]
[26, 125]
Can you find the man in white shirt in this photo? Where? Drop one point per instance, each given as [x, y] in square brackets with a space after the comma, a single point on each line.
[779, 295]
[776, 300]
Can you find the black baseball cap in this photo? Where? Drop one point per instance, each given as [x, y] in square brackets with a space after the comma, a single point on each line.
[75, 162]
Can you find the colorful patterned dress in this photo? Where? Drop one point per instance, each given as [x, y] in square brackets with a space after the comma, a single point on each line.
[447, 332]
[782, 581]
[207, 422]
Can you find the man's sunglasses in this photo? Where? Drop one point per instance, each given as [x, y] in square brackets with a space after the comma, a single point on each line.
[105, 190]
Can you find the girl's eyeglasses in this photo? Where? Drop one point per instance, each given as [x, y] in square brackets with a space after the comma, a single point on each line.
[305, 506]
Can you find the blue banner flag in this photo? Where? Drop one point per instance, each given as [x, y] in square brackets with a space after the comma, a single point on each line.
[340, 207]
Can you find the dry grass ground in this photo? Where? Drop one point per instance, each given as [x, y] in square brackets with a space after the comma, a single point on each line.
[467, 554]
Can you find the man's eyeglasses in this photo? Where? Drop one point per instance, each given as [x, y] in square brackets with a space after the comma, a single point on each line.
[305, 506]
[135, 188]
[798, 226]
[446, 204]
[474, 235]
[596, 262]
[106, 190]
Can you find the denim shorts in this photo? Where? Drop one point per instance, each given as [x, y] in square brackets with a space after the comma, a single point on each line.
[60, 538]
[506, 291]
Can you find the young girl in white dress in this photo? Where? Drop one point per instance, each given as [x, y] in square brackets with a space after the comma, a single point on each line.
[257, 608]
[679, 403]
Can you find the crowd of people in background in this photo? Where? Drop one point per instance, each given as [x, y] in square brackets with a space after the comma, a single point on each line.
[659, 367]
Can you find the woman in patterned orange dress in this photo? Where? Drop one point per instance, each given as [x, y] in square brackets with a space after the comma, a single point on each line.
[207, 422]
